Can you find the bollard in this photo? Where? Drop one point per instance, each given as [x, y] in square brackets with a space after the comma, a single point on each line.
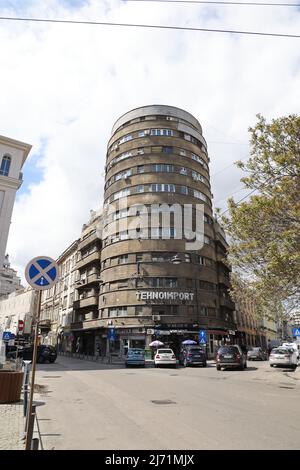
[30, 427]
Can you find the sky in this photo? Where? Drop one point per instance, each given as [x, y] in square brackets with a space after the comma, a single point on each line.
[63, 86]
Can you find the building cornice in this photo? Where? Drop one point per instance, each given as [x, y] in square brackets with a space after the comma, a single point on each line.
[16, 144]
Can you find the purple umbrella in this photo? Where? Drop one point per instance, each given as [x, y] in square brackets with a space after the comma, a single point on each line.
[189, 341]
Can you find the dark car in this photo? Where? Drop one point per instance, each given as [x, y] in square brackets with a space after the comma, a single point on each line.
[44, 353]
[192, 356]
[231, 356]
[256, 353]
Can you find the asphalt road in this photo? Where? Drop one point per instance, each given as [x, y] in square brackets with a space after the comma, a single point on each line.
[83, 405]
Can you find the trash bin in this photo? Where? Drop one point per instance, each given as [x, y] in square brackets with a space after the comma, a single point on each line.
[10, 386]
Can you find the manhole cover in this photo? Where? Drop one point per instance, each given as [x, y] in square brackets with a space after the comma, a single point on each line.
[163, 402]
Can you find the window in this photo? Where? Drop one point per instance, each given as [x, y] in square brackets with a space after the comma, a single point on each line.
[167, 149]
[206, 240]
[122, 157]
[140, 188]
[171, 282]
[123, 259]
[166, 132]
[156, 282]
[204, 311]
[140, 169]
[182, 152]
[187, 137]
[5, 165]
[158, 258]
[139, 258]
[187, 257]
[199, 195]
[123, 235]
[123, 193]
[141, 133]
[162, 168]
[184, 190]
[126, 138]
[183, 171]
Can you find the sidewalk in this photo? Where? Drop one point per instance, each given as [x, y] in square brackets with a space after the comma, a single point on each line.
[12, 426]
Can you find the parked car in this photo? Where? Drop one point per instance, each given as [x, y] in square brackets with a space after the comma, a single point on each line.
[192, 356]
[231, 356]
[165, 357]
[135, 357]
[44, 353]
[283, 356]
[256, 353]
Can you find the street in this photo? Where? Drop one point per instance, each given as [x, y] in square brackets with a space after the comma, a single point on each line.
[86, 405]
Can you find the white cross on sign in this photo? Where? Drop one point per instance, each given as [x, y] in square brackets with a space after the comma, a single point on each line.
[41, 273]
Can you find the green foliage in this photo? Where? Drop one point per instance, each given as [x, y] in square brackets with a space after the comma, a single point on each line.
[265, 229]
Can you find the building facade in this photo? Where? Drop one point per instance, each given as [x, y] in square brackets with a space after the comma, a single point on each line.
[19, 306]
[157, 158]
[57, 303]
[86, 327]
[12, 157]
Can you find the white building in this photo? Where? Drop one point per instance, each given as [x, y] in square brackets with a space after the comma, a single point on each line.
[12, 157]
[9, 281]
[19, 305]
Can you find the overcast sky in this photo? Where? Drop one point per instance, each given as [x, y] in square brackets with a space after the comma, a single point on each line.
[63, 86]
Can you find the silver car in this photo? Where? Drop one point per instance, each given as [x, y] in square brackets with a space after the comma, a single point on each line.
[282, 356]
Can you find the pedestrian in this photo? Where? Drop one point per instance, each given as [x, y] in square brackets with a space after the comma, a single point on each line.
[269, 347]
[98, 351]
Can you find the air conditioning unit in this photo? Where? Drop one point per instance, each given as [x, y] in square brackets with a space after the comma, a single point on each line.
[116, 147]
[140, 152]
[156, 317]
[147, 131]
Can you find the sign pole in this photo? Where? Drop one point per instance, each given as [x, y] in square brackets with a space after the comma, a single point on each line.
[29, 410]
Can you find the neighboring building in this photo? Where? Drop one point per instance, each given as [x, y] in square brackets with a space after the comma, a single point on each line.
[57, 303]
[295, 319]
[158, 155]
[86, 326]
[9, 281]
[12, 157]
[18, 306]
[249, 332]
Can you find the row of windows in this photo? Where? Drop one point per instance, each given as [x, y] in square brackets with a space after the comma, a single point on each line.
[153, 233]
[160, 117]
[138, 209]
[155, 132]
[157, 188]
[154, 150]
[161, 310]
[157, 282]
[5, 165]
[156, 258]
[156, 168]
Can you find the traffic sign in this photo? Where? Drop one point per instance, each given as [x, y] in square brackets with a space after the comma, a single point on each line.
[202, 337]
[41, 273]
[296, 332]
[7, 336]
[112, 334]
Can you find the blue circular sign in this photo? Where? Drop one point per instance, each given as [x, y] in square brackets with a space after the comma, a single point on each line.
[41, 273]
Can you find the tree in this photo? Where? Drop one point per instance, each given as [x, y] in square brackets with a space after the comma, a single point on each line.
[264, 230]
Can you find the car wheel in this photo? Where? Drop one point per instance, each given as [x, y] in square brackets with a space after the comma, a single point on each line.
[52, 361]
[271, 365]
[40, 360]
[218, 367]
[204, 364]
[245, 365]
[242, 367]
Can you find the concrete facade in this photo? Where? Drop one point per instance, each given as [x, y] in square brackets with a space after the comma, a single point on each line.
[12, 157]
[158, 155]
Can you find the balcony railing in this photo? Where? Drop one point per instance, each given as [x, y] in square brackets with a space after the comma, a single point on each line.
[95, 256]
[87, 302]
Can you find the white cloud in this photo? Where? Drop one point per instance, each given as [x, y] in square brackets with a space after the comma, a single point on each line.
[63, 86]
